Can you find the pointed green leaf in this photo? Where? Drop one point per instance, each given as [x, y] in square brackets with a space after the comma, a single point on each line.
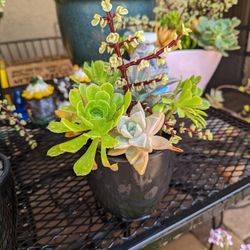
[102, 95]
[108, 88]
[81, 114]
[91, 91]
[85, 164]
[74, 97]
[55, 151]
[74, 145]
[58, 127]
[127, 100]
[73, 126]
[109, 141]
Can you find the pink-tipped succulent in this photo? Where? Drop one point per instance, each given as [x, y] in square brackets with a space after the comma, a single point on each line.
[137, 137]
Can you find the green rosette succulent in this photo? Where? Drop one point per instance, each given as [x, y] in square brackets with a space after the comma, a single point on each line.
[99, 72]
[93, 112]
[218, 34]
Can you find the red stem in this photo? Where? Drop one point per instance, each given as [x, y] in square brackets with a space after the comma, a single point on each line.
[154, 55]
[147, 82]
[117, 50]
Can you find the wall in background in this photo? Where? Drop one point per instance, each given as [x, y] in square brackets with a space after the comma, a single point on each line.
[25, 19]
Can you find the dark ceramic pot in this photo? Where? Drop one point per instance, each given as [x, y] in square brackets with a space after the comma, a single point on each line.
[81, 39]
[128, 195]
[7, 206]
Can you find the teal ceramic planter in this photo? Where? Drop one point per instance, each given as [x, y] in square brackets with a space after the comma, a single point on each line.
[80, 38]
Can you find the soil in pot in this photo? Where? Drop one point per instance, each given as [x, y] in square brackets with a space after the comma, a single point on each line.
[127, 194]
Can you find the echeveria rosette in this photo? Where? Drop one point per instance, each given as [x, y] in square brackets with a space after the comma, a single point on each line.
[220, 34]
[93, 113]
[137, 137]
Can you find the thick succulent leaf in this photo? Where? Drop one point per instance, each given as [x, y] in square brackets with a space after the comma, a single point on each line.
[118, 100]
[85, 164]
[117, 152]
[107, 87]
[154, 123]
[55, 151]
[160, 143]
[65, 114]
[105, 160]
[102, 95]
[109, 141]
[73, 126]
[127, 100]
[83, 92]
[91, 91]
[74, 97]
[58, 127]
[74, 145]
[81, 114]
[118, 116]
[139, 159]
[140, 142]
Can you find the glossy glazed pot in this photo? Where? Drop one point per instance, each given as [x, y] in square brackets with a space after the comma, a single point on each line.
[199, 62]
[7, 206]
[81, 39]
[127, 194]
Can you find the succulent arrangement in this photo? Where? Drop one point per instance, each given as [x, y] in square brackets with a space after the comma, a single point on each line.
[208, 31]
[203, 17]
[40, 100]
[7, 113]
[127, 108]
[216, 100]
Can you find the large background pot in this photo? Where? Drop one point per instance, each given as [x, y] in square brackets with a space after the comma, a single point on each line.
[127, 194]
[185, 63]
[80, 38]
[7, 207]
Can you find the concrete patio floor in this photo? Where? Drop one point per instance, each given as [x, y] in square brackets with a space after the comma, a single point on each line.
[236, 222]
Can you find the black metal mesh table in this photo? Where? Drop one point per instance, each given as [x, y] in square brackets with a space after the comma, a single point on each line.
[57, 210]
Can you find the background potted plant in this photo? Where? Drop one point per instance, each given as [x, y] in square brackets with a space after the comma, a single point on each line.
[74, 19]
[212, 36]
[125, 122]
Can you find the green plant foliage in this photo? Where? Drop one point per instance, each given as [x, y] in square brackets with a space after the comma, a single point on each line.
[187, 42]
[192, 9]
[186, 101]
[99, 72]
[93, 113]
[171, 20]
[218, 34]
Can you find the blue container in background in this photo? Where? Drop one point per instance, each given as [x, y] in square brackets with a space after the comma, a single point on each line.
[81, 39]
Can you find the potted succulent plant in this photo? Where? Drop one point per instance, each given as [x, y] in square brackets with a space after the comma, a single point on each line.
[74, 19]
[125, 122]
[212, 36]
[40, 101]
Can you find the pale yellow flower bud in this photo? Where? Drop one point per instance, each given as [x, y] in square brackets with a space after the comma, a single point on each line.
[113, 38]
[106, 5]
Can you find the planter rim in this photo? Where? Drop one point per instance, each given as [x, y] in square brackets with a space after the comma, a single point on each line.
[194, 50]
[6, 169]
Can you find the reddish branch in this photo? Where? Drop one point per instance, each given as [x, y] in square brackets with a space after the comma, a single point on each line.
[19, 124]
[147, 82]
[154, 55]
[117, 48]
